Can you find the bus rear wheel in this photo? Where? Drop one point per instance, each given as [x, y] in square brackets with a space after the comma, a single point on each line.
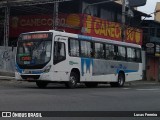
[91, 84]
[73, 79]
[41, 84]
[121, 81]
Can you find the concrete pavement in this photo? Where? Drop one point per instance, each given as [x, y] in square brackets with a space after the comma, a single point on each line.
[11, 76]
[7, 75]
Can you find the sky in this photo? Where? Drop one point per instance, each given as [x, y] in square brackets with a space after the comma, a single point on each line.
[149, 7]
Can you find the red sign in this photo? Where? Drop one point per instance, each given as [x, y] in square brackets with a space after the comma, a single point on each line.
[73, 23]
[28, 23]
[111, 30]
[26, 58]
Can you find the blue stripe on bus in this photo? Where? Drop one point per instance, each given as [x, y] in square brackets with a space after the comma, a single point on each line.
[130, 71]
[84, 37]
[88, 62]
[31, 72]
[126, 71]
[18, 69]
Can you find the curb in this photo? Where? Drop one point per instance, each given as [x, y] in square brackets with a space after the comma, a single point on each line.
[7, 73]
[142, 82]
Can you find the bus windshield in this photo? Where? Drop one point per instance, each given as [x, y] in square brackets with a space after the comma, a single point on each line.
[33, 53]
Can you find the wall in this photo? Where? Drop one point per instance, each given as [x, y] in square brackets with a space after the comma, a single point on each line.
[7, 60]
[157, 15]
[152, 68]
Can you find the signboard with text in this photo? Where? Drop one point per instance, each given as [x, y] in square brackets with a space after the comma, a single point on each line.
[111, 30]
[153, 49]
[73, 23]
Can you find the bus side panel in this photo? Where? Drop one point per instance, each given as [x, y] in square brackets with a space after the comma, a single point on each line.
[102, 71]
[107, 70]
[135, 73]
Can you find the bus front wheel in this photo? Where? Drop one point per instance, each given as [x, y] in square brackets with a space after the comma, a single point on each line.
[73, 79]
[41, 84]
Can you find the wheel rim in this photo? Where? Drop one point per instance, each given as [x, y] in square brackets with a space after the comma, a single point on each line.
[72, 80]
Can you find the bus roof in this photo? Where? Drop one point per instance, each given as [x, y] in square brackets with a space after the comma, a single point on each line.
[90, 38]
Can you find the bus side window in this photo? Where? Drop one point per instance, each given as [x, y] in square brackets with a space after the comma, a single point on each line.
[121, 53]
[99, 50]
[59, 52]
[138, 55]
[74, 48]
[110, 52]
[87, 49]
[131, 54]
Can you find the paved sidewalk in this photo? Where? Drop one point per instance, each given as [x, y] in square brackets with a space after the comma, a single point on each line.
[142, 82]
[7, 78]
[4, 75]
[133, 83]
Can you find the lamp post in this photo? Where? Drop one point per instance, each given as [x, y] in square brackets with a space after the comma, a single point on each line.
[84, 11]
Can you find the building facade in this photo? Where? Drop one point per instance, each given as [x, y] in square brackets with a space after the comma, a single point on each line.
[75, 16]
[157, 15]
[151, 44]
[72, 16]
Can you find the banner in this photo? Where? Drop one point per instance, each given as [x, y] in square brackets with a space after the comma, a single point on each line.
[111, 30]
[73, 23]
[28, 23]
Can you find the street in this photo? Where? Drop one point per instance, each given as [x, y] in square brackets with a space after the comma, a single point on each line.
[25, 96]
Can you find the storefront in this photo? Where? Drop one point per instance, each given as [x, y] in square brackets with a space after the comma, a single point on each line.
[152, 61]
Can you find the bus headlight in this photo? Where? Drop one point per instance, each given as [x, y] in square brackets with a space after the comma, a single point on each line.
[47, 69]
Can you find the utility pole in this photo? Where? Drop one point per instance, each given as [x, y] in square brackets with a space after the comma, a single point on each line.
[6, 24]
[123, 29]
[55, 15]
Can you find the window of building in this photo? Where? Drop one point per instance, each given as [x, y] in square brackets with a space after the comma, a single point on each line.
[107, 14]
[158, 32]
[65, 7]
[74, 47]
[86, 49]
[152, 31]
[91, 10]
[99, 50]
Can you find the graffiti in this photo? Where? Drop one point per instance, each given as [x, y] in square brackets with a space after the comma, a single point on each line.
[5, 56]
[7, 59]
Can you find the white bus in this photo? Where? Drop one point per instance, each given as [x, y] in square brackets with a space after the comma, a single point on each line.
[53, 56]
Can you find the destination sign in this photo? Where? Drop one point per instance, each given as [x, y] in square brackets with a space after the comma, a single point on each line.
[34, 36]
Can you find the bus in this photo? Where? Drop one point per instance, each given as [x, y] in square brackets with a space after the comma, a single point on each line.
[54, 56]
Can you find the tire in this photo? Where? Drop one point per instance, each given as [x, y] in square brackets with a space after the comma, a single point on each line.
[91, 84]
[41, 84]
[73, 79]
[121, 81]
